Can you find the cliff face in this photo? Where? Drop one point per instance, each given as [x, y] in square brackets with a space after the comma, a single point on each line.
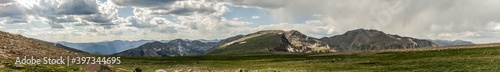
[302, 43]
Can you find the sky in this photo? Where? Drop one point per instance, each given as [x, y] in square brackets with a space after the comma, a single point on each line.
[104, 20]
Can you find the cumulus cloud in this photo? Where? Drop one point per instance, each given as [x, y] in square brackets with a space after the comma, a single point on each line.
[193, 19]
[58, 12]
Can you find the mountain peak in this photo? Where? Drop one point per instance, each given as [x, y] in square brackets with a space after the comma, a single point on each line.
[294, 32]
[369, 39]
[364, 31]
[156, 42]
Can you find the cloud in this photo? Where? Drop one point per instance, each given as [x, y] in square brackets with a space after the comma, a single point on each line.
[274, 4]
[255, 17]
[6, 1]
[236, 18]
[314, 28]
[159, 19]
[55, 12]
[12, 13]
[495, 25]
[78, 7]
[184, 8]
[404, 17]
[193, 19]
[143, 3]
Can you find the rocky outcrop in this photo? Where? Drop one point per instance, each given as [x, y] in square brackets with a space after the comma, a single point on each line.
[302, 43]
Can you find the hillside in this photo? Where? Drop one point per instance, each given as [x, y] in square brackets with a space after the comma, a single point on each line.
[365, 40]
[271, 42]
[12, 46]
[177, 47]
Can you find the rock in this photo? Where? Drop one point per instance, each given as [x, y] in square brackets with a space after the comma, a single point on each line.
[97, 68]
[18, 66]
[137, 69]
[160, 70]
[242, 70]
[178, 71]
[76, 69]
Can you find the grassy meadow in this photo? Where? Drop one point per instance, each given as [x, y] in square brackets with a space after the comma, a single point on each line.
[470, 59]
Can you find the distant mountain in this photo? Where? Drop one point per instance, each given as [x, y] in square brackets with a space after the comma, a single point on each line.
[270, 42]
[451, 43]
[12, 46]
[177, 47]
[60, 46]
[107, 47]
[362, 40]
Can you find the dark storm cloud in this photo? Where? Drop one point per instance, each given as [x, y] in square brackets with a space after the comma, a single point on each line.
[78, 7]
[12, 14]
[6, 1]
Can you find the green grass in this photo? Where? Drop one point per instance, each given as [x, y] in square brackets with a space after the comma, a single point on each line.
[254, 45]
[477, 59]
[473, 59]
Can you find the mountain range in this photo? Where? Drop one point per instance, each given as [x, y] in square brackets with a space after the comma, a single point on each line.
[286, 42]
[451, 43]
[261, 42]
[105, 47]
[177, 47]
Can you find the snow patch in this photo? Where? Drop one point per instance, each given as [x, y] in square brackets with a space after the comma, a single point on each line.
[243, 42]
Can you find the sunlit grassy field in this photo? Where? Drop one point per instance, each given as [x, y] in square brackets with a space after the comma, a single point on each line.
[471, 59]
